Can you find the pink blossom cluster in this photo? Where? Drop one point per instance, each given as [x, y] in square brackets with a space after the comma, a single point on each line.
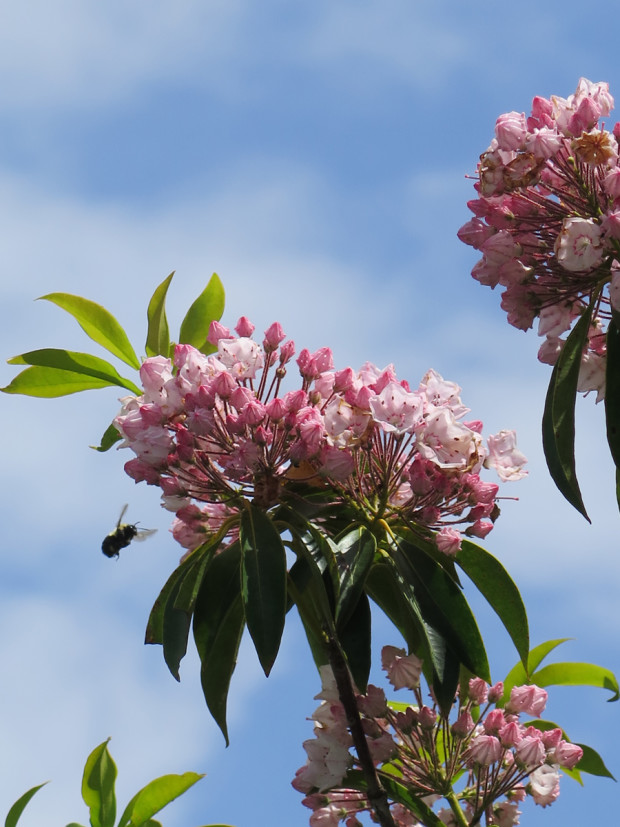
[213, 430]
[547, 221]
[499, 759]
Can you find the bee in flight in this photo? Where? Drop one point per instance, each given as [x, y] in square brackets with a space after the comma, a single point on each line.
[122, 535]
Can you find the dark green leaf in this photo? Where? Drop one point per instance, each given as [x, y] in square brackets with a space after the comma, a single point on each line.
[158, 335]
[155, 796]
[218, 626]
[50, 383]
[612, 397]
[207, 308]
[263, 579]
[354, 638]
[577, 674]
[98, 786]
[354, 556]
[18, 808]
[443, 605]
[155, 625]
[558, 426]
[110, 437]
[98, 324]
[592, 763]
[81, 363]
[495, 584]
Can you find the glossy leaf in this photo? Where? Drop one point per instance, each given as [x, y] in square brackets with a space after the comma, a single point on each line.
[612, 397]
[155, 796]
[18, 808]
[355, 553]
[577, 674]
[558, 425]
[207, 308]
[155, 625]
[110, 437]
[98, 324]
[50, 383]
[497, 587]
[158, 334]
[592, 763]
[263, 580]
[355, 639]
[443, 605]
[81, 363]
[218, 626]
[396, 792]
[98, 787]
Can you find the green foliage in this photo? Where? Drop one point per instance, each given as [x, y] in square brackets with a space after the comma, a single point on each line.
[208, 307]
[98, 794]
[612, 396]
[558, 424]
[158, 334]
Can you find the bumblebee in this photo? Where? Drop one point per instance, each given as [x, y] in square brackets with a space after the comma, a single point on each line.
[122, 535]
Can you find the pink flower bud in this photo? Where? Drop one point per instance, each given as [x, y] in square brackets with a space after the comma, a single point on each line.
[530, 752]
[496, 692]
[529, 698]
[494, 721]
[484, 749]
[478, 691]
[463, 725]
[217, 331]
[567, 755]
[448, 541]
[510, 130]
[244, 327]
[403, 670]
[273, 336]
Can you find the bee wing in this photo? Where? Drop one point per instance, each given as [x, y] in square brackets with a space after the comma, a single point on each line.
[143, 533]
[123, 510]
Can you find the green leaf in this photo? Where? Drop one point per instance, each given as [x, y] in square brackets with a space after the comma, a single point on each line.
[158, 335]
[558, 425]
[263, 579]
[396, 792]
[110, 437]
[155, 796]
[443, 605]
[18, 808]
[50, 383]
[207, 308]
[520, 675]
[355, 553]
[98, 324]
[497, 587]
[612, 398]
[98, 786]
[155, 625]
[218, 626]
[577, 674]
[354, 638]
[81, 363]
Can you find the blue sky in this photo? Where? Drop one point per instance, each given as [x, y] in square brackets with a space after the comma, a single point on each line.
[314, 155]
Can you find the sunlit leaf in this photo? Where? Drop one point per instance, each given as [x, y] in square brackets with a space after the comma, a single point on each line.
[98, 786]
[99, 324]
[158, 334]
[80, 363]
[50, 383]
[495, 584]
[558, 426]
[208, 307]
[155, 796]
[577, 674]
[18, 808]
[263, 578]
[592, 763]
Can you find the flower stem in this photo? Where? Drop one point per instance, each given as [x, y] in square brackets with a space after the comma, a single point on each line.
[376, 795]
[459, 815]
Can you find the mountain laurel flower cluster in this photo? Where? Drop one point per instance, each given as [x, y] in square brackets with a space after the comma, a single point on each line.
[496, 759]
[547, 221]
[215, 430]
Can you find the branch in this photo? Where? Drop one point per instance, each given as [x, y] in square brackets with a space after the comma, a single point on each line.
[376, 795]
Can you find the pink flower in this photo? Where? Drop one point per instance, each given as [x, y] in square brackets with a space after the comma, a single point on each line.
[530, 752]
[485, 750]
[579, 245]
[403, 670]
[510, 130]
[397, 410]
[567, 755]
[504, 456]
[449, 541]
[530, 699]
[544, 786]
